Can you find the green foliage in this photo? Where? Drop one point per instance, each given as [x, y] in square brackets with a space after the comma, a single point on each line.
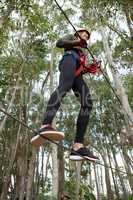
[27, 33]
[130, 197]
[46, 197]
[128, 82]
[70, 187]
[123, 51]
[85, 191]
[89, 196]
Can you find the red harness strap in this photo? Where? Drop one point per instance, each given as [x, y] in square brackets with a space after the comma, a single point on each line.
[82, 64]
[92, 68]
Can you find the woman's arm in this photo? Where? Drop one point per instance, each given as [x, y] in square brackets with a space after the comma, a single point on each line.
[68, 42]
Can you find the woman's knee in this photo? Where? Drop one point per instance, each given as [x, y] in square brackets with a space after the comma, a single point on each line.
[88, 103]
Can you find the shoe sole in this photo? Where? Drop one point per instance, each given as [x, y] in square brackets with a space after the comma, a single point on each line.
[91, 159]
[38, 140]
[78, 158]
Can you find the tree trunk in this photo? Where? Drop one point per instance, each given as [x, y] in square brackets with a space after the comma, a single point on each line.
[101, 181]
[128, 170]
[107, 178]
[78, 176]
[21, 169]
[31, 172]
[115, 185]
[36, 187]
[54, 171]
[119, 175]
[127, 111]
[7, 176]
[97, 183]
[54, 147]
[46, 169]
[11, 101]
[61, 171]
[90, 176]
[109, 150]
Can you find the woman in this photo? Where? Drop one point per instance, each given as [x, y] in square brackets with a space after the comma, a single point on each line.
[72, 67]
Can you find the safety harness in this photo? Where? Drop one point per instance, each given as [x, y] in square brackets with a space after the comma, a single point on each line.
[81, 57]
[83, 61]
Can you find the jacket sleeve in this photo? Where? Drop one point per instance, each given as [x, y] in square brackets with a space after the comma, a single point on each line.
[67, 42]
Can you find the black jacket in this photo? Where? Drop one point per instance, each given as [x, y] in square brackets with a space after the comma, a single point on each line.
[68, 42]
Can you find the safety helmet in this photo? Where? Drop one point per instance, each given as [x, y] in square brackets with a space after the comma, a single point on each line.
[82, 30]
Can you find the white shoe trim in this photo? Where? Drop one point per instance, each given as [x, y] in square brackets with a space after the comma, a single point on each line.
[52, 132]
[78, 157]
[35, 138]
[90, 158]
[75, 157]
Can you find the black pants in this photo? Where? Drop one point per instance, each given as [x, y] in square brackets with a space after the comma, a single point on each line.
[68, 81]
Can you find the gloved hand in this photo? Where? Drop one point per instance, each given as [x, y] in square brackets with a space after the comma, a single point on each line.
[94, 67]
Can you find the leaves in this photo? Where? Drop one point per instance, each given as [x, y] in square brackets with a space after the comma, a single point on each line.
[28, 32]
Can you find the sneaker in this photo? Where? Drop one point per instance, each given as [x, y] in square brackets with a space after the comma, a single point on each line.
[45, 133]
[81, 154]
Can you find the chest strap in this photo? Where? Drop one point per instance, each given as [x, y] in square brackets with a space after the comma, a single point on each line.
[83, 61]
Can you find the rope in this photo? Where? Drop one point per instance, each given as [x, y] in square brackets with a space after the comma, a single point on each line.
[107, 80]
[59, 145]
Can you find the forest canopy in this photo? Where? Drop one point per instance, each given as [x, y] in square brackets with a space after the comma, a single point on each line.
[29, 73]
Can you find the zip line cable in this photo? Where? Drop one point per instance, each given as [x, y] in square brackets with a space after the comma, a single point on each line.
[59, 145]
[107, 80]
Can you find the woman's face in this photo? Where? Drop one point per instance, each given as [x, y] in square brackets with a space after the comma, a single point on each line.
[84, 35]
